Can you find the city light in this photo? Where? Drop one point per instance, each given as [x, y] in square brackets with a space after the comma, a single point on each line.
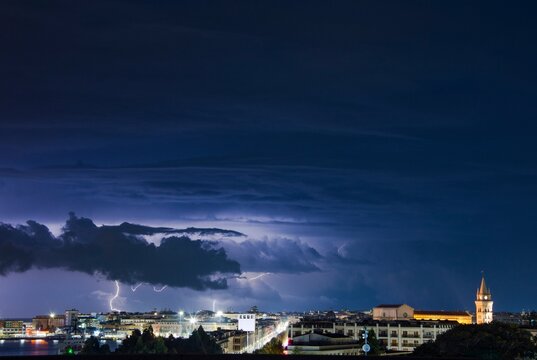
[52, 315]
[192, 320]
[219, 313]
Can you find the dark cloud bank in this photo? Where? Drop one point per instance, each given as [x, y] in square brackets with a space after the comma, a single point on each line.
[120, 252]
[117, 253]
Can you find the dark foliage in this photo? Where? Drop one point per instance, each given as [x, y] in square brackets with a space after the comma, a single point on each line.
[489, 341]
[147, 343]
[273, 347]
[143, 343]
[93, 347]
[372, 340]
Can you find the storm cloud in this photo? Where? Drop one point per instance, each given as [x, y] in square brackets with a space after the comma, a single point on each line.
[279, 255]
[117, 253]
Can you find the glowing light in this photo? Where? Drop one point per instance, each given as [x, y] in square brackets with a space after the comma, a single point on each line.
[192, 320]
[114, 298]
[219, 313]
[134, 288]
[181, 313]
[258, 276]
[52, 315]
[161, 289]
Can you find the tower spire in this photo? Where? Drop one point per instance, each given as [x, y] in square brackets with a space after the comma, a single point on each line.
[483, 290]
[483, 303]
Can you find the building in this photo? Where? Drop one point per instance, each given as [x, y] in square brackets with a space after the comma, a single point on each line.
[315, 343]
[10, 328]
[231, 341]
[403, 335]
[393, 312]
[462, 317]
[48, 322]
[483, 304]
[71, 317]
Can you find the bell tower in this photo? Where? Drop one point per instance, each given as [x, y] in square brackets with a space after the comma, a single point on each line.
[483, 303]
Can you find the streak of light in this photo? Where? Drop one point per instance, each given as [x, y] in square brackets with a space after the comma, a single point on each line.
[161, 289]
[114, 298]
[258, 276]
[134, 288]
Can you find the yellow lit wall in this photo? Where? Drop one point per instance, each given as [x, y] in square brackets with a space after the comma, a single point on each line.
[432, 316]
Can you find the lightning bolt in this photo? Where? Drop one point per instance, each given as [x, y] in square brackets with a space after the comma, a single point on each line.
[114, 298]
[134, 288]
[258, 276]
[249, 279]
[161, 289]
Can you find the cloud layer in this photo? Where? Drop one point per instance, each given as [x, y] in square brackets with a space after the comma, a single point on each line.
[117, 253]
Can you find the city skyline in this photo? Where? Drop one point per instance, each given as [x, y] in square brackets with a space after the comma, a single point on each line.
[293, 156]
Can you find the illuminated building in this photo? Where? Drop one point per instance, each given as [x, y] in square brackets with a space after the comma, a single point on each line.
[48, 322]
[12, 328]
[393, 312]
[462, 317]
[483, 304]
[315, 343]
[403, 335]
[71, 317]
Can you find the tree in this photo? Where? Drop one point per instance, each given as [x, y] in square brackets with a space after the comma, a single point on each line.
[487, 341]
[201, 343]
[373, 342]
[92, 346]
[143, 343]
[273, 347]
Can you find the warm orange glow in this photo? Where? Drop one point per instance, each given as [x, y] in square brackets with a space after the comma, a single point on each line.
[461, 318]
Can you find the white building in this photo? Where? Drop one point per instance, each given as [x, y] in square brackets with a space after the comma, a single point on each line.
[392, 335]
[323, 344]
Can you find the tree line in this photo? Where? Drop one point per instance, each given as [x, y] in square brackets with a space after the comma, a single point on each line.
[146, 342]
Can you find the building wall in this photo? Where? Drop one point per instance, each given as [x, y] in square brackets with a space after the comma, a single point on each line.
[402, 336]
[12, 328]
[483, 311]
[403, 312]
[433, 316]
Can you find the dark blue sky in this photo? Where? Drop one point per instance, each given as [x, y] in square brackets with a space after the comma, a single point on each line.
[371, 151]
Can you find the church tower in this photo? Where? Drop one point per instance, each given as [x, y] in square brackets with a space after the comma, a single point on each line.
[483, 304]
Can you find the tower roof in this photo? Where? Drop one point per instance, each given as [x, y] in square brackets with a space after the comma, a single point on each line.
[483, 290]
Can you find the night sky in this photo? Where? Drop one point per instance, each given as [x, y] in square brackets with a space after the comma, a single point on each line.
[366, 151]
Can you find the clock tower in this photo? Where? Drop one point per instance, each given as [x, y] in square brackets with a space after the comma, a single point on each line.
[483, 304]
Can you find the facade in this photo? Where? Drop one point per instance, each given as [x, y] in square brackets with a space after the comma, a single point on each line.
[392, 335]
[48, 322]
[71, 317]
[483, 304]
[323, 344]
[462, 317]
[231, 341]
[393, 312]
[10, 328]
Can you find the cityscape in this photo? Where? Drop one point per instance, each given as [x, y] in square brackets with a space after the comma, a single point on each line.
[397, 328]
[245, 178]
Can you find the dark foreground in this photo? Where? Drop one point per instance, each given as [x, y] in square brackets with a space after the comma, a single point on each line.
[211, 357]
